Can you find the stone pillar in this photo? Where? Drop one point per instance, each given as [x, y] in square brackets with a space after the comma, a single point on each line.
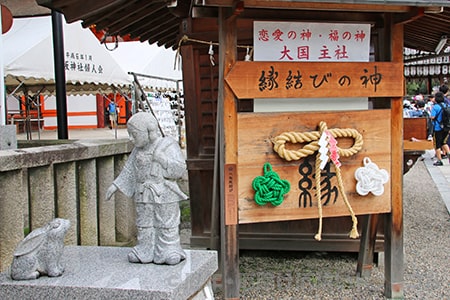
[87, 190]
[66, 196]
[42, 196]
[107, 224]
[125, 208]
[12, 201]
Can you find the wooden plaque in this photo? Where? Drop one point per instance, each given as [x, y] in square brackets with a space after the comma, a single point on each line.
[250, 80]
[255, 134]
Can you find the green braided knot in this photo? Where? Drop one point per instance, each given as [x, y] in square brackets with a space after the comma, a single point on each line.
[270, 188]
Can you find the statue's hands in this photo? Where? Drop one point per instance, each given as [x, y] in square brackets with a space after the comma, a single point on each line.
[110, 191]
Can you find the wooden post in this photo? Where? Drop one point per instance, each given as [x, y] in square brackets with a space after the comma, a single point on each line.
[367, 245]
[227, 111]
[394, 267]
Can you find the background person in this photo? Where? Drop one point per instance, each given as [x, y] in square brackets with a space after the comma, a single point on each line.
[444, 90]
[113, 111]
[440, 135]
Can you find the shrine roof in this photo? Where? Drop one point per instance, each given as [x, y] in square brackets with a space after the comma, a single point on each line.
[161, 22]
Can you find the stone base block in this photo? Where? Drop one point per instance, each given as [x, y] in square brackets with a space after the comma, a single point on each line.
[105, 273]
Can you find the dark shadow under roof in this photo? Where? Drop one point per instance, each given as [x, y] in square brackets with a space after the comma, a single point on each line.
[158, 22]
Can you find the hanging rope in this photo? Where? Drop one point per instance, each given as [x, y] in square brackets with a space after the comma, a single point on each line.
[270, 188]
[312, 146]
[186, 39]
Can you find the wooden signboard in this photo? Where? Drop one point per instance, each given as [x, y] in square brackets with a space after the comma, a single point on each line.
[315, 79]
[255, 134]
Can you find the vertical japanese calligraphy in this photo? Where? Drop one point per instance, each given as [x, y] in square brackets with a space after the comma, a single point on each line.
[231, 194]
[82, 62]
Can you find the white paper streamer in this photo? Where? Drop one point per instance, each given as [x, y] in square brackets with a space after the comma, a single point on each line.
[323, 150]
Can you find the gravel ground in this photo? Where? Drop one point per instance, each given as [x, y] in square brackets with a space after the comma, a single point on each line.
[320, 275]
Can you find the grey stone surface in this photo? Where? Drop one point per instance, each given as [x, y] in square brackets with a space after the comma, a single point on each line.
[105, 273]
[125, 209]
[8, 138]
[41, 188]
[66, 193]
[40, 252]
[88, 209]
[106, 209]
[12, 202]
[46, 155]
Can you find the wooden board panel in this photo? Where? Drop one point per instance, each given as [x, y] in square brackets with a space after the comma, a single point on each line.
[255, 131]
[417, 145]
[315, 79]
[415, 128]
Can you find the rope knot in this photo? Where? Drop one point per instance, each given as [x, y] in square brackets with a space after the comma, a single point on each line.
[270, 188]
[311, 140]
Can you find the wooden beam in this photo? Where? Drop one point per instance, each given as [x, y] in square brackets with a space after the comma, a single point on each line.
[128, 17]
[163, 33]
[394, 257]
[367, 245]
[141, 27]
[227, 112]
[315, 79]
[308, 5]
[80, 10]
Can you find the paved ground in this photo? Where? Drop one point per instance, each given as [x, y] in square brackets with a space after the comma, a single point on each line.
[440, 175]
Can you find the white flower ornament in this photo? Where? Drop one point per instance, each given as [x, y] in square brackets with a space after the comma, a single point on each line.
[370, 178]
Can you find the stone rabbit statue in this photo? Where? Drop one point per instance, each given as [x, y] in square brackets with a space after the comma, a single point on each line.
[40, 252]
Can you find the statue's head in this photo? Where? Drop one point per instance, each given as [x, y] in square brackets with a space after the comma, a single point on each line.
[143, 121]
[143, 128]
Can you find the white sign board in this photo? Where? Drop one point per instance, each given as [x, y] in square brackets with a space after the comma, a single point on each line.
[298, 41]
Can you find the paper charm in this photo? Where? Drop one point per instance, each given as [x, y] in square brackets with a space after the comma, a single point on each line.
[334, 154]
[248, 57]
[211, 54]
[323, 150]
[370, 178]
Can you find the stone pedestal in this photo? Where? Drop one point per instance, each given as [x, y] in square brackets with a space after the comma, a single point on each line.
[8, 137]
[105, 273]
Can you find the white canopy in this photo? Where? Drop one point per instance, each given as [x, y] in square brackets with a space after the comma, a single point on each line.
[28, 58]
[150, 60]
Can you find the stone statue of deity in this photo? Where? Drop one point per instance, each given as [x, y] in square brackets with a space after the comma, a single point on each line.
[150, 178]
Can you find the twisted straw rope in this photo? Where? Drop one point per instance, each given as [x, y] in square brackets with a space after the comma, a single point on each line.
[309, 149]
[312, 138]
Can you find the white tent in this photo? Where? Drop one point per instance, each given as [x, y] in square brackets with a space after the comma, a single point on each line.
[150, 60]
[28, 59]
